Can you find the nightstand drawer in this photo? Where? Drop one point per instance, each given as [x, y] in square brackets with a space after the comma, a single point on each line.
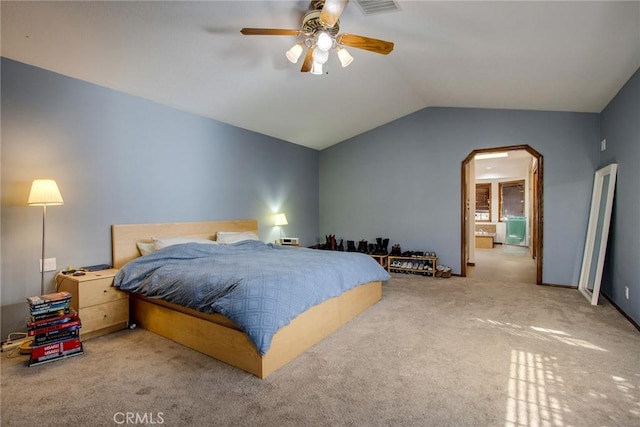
[101, 307]
[98, 291]
[104, 315]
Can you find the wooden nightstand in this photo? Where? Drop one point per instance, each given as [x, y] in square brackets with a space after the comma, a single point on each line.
[101, 307]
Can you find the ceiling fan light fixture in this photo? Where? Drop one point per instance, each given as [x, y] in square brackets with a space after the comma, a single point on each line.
[344, 57]
[320, 56]
[316, 68]
[294, 53]
[324, 41]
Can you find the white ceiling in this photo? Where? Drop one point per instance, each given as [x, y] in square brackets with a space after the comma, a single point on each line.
[560, 56]
[516, 165]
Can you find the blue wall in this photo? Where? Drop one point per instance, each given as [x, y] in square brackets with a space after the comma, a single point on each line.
[402, 180]
[122, 159]
[620, 125]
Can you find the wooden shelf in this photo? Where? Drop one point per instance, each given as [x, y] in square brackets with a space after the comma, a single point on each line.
[425, 265]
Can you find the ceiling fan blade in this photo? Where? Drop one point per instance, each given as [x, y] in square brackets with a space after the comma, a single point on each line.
[367, 43]
[269, 32]
[308, 61]
[331, 12]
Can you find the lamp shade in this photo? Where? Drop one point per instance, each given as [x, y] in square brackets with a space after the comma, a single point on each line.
[294, 53]
[344, 56]
[324, 41]
[44, 192]
[316, 68]
[320, 56]
[281, 219]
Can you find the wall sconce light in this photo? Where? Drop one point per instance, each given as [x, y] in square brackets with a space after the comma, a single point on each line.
[44, 192]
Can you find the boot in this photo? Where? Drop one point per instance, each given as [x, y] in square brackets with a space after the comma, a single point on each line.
[362, 247]
[379, 246]
[351, 246]
[340, 246]
[333, 242]
[395, 250]
[372, 249]
[385, 246]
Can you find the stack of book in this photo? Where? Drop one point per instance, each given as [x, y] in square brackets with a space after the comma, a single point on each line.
[55, 328]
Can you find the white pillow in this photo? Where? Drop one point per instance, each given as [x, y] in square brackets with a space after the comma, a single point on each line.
[226, 237]
[163, 242]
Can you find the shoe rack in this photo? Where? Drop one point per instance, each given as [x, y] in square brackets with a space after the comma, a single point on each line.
[424, 265]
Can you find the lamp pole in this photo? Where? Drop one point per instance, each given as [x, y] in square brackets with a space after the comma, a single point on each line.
[44, 221]
[44, 192]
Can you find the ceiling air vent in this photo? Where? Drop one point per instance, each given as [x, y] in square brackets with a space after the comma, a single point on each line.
[370, 7]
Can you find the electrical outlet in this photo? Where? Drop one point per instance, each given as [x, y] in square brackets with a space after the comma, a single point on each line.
[49, 264]
[603, 144]
[626, 292]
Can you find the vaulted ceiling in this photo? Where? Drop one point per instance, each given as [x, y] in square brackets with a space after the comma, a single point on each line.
[559, 56]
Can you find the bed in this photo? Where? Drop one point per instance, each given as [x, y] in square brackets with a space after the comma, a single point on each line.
[217, 335]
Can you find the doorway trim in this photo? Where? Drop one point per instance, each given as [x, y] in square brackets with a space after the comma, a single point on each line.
[537, 221]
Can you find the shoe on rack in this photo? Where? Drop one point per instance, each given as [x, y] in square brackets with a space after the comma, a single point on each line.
[446, 273]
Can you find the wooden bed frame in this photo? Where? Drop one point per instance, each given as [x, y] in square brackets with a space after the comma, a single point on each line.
[214, 334]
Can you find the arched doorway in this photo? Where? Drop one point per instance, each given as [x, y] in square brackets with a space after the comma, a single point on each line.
[537, 217]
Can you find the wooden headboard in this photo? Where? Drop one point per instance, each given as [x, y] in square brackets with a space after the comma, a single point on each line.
[125, 236]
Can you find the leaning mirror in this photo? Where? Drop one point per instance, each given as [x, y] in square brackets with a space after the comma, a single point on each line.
[597, 233]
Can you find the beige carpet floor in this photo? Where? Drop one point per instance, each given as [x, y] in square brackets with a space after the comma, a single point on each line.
[433, 352]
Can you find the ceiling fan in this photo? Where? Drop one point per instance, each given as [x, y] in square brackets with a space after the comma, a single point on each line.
[320, 32]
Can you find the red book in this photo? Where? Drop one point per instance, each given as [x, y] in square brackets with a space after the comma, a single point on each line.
[48, 329]
[55, 349]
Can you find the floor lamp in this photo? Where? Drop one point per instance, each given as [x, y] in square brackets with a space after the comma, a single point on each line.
[44, 192]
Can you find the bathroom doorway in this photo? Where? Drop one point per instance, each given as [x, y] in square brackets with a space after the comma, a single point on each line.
[502, 235]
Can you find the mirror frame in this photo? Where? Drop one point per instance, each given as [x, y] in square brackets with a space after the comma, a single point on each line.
[596, 243]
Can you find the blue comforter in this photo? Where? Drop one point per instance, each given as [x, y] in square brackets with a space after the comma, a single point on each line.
[261, 287]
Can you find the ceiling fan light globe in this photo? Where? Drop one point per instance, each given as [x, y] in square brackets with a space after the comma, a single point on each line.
[294, 53]
[320, 56]
[344, 57]
[324, 41]
[316, 68]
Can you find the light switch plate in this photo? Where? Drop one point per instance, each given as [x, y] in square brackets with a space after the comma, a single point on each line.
[49, 264]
